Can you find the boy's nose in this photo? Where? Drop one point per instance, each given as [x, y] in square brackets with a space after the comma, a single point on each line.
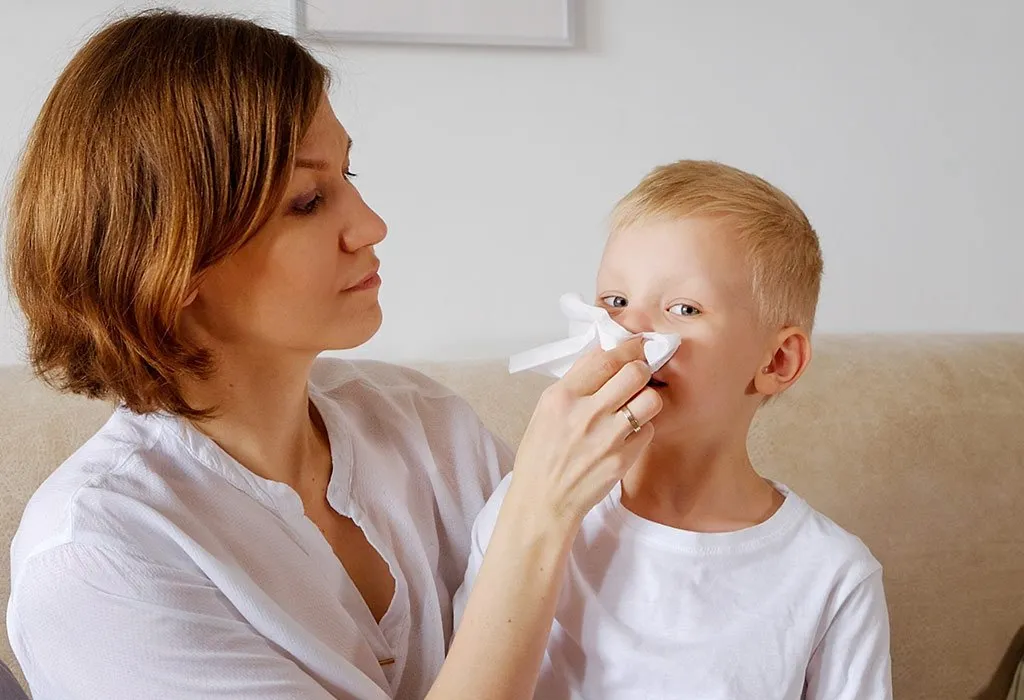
[635, 320]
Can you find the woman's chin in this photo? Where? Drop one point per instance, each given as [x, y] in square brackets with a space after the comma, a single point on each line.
[354, 332]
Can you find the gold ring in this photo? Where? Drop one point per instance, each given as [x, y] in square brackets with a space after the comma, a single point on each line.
[634, 424]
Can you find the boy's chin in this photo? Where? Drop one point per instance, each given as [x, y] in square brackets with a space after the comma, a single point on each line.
[669, 422]
[680, 416]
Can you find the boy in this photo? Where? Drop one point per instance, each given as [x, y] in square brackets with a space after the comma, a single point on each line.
[696, 577]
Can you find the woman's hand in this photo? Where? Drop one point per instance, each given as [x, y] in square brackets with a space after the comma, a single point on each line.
[580, 441]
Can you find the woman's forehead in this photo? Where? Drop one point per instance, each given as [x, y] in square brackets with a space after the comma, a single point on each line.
[325, 131]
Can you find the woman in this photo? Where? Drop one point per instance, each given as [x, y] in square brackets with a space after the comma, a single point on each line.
[252, 522]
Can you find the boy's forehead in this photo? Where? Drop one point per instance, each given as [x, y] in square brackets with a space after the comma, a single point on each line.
[686, 249]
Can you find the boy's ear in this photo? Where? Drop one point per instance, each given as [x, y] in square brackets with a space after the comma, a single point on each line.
[784, 366]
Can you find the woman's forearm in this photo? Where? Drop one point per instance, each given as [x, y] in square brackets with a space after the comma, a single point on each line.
[578, 444]
[498, 650]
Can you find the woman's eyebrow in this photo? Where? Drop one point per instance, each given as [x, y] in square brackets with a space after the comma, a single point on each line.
[319, 163]
[312, 163]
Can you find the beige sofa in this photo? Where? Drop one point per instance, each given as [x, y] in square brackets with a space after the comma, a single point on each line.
[914, 443]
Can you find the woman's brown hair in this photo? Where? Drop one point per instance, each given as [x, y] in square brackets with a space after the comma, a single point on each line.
[165, 143]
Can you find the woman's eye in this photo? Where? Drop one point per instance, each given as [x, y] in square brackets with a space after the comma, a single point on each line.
[308, 205]
[684, 310]
[615, 301]
[348, 174]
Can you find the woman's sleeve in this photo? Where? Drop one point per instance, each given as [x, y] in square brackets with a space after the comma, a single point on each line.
[88, 622]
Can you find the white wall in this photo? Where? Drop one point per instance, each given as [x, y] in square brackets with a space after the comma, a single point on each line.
[897, 125]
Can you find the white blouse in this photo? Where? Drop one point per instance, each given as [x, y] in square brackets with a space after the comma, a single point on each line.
[152, 564]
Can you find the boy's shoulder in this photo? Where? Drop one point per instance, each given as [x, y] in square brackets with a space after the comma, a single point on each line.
[803, 536]
[834, 547]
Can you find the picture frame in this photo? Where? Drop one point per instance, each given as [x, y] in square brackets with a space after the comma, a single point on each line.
[523, 23]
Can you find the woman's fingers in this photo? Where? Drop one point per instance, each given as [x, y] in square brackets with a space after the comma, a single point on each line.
[643, 408]
[593, 370]
[624, 385]
[635, 444]
[580, 441]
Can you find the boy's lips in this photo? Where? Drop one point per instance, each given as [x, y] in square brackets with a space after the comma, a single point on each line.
[659, 378]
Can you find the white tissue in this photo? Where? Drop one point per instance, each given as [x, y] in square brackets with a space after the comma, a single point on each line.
[589, 327]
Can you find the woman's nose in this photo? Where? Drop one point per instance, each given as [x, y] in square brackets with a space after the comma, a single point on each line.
[365, 229]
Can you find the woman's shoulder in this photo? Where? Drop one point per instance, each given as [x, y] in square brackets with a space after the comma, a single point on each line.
[405, 407]
[331, 375]
[137, 485]
[393, 395]
[398, 396]
[111, 461]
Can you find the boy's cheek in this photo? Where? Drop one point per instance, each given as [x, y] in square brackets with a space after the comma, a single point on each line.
[693, 353]
[686, 360]
[693, 376]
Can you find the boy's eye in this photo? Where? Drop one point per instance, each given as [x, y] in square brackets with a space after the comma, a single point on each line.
[615, 301]
[684, 310]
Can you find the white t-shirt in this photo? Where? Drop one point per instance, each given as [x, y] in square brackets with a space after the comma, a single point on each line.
[153, 565]
[791, 608]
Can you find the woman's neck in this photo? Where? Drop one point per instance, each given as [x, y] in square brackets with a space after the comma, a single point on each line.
[699, 487]
[263, 416]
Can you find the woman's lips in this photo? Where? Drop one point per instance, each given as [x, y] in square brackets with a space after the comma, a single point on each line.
[371, 281]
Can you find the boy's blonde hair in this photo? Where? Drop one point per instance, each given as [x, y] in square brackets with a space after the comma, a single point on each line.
[782, 247]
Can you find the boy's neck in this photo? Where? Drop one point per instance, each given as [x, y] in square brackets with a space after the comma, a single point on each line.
[701, 488]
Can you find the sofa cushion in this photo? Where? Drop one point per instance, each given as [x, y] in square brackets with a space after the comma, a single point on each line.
[914, 443]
